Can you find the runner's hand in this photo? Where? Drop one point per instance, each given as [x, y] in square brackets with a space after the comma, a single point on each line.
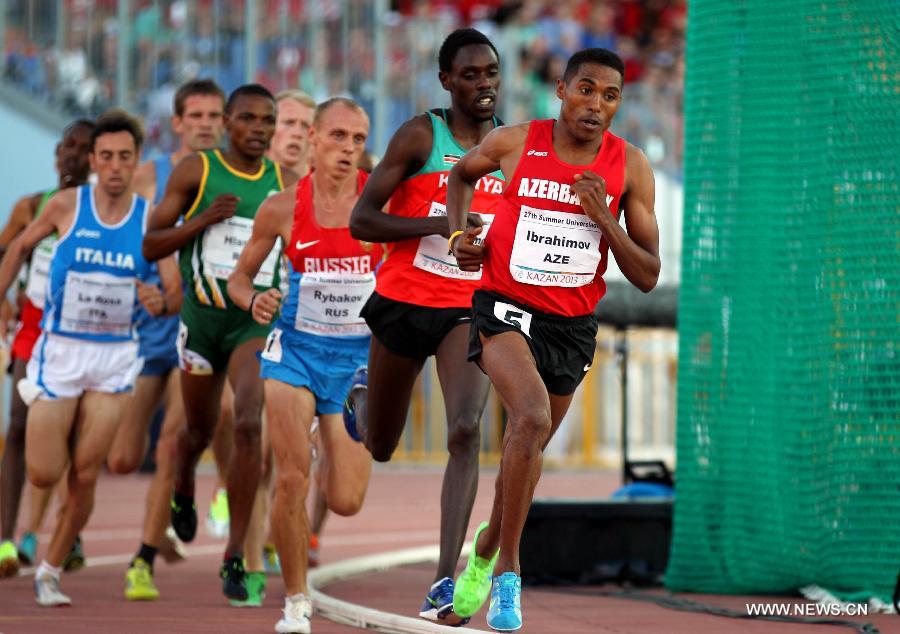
[591, 191]
[468, 254]
[266, 305]
[151, 297]
[223, 206]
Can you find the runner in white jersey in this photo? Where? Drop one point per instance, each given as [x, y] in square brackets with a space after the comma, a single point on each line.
[73, 168]
[86, 360]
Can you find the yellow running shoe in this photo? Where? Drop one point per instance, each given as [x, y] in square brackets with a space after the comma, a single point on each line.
[139, 582]
[218, 519]
[9, 560]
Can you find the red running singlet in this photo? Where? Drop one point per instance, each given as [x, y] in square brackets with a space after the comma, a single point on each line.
[543, 250]
[332, 274]
[419, 271]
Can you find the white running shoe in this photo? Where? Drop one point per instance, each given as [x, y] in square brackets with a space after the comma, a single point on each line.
[171, 549]
[46, 592]
[297, 612]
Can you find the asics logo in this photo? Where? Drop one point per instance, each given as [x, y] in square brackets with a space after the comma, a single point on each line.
[536, 153]
[87, 233]
[302, 245]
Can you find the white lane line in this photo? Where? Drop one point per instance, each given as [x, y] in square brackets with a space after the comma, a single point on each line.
[365, 618]
[360, 539]
[349, 539]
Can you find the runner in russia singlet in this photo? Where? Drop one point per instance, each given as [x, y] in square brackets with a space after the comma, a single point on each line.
[543, 250]
[331, 273]
[419, 271]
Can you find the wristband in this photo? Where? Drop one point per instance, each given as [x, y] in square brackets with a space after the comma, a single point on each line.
[453, 236]
[252, 299]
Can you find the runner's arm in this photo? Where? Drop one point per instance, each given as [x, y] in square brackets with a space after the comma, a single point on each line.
[57, 216]
[491, 155]
[636, 249]
[170, 277]
[22, 213]
[273, 220]
[163, 237]
[406, 153]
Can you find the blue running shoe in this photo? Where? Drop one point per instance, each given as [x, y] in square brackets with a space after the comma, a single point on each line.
[438, 604]
[354, 409]
[505, 611]
[28, 549]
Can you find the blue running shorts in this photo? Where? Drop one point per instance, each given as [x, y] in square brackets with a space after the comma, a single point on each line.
[323, 365]
[158, 338]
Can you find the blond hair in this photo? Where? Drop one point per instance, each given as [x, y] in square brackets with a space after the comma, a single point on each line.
[297, 95]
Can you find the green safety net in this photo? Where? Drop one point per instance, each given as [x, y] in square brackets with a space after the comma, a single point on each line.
[789, 320]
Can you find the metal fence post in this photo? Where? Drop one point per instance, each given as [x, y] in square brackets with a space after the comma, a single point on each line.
[123, 61]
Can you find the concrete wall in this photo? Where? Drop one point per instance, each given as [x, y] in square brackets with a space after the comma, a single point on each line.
[27, 157]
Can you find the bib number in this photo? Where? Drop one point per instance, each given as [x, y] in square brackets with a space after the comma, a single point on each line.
[98, 304]
[554, 248]
[39, 272]
[273, 351]
[329, 304]
[514, 316]
[432, 254]
[222, 246]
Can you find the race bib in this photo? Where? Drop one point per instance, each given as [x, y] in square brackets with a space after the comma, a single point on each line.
[39, 272]
[329, 304]
[432, 254]
[554, 248]
[98, 304]
[273, 350]
[222, 246]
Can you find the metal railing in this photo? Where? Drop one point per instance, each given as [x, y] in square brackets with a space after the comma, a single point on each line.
[85, 55]
[591, 433]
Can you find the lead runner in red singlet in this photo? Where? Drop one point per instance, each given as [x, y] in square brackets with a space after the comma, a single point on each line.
[422, 302]
[533, 326]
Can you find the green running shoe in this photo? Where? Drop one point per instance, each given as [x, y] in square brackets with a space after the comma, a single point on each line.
[9, 560]
[218, 520]
[74, 559]
[474, 584]
[256, 591]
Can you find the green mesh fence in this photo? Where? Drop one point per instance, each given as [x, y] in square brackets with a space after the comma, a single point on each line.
[789, 372]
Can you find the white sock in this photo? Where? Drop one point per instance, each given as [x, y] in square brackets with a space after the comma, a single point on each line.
[297, 597]
[47, 569]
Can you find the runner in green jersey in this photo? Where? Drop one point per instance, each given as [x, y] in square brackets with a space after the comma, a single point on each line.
[217, 194]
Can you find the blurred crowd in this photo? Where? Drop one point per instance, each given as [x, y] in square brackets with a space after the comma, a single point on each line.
[329, 47]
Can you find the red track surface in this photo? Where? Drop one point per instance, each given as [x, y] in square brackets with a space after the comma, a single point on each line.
[401, 511]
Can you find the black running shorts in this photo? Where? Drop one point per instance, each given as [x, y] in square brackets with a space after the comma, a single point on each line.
[410, 330]
[563, 347]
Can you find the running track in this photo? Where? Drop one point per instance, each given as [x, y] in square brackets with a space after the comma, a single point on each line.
[401, 511]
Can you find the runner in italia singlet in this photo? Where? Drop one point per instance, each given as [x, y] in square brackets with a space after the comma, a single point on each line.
[419, 271]
[543, 250]
[92, 294]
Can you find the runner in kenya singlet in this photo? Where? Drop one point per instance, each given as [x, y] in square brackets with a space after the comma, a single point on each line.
[419, 271]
